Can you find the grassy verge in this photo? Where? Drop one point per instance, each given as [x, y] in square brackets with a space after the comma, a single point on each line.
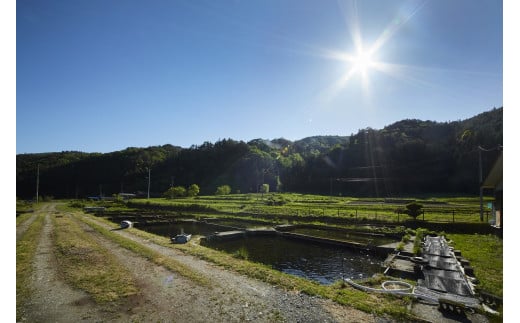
[88, 266]
[148, 253]
[485, 254]
[25, 251]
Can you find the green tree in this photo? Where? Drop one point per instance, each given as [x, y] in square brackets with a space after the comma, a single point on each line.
[264, 188]
[193, 190]
[223, 190]
[414, 209]
[177, 191]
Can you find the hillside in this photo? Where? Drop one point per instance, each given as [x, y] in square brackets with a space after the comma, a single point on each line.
[407, 157]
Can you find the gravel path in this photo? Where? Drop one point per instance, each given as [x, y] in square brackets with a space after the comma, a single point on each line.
[52, 300]
[166, 296]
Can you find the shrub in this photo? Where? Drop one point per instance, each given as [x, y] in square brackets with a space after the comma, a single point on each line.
[223, 190]
[193, 190]
[419, 236]
[177, 191]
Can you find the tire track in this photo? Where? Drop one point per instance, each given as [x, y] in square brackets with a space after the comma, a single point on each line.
[53, 300]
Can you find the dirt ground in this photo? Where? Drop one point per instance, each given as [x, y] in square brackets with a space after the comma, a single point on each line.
[166, 296]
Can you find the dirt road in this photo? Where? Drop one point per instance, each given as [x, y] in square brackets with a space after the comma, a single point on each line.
[165, 296]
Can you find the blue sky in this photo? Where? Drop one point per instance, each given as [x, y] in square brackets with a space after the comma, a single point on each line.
[100, 76]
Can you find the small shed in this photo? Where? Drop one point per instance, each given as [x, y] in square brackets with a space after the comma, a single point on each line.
[494, 181]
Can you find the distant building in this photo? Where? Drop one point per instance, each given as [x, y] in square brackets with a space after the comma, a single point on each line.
[494, 181]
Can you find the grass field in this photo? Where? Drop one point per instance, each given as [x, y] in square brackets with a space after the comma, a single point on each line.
[304, 206]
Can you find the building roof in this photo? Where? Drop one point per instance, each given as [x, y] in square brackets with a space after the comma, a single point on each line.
[495, 176]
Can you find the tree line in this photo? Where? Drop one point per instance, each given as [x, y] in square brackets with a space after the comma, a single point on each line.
[407, 157]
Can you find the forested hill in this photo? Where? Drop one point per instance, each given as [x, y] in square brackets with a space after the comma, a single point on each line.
[405, 158]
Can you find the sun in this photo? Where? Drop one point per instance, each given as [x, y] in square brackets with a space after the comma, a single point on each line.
[362, 62]
[362, 57]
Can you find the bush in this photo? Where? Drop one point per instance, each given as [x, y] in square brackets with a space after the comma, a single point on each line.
[193, 190]
[177, 191]
[223, 190]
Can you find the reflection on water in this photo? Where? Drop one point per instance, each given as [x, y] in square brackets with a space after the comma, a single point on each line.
[322, 263]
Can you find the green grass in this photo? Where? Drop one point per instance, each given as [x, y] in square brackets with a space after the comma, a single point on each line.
[485, 254]
[309, 207]
[25, 252]
[88, 266]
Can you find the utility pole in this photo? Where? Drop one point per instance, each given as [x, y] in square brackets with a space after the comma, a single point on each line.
[149, 182]
[37, 182]
[480, 183]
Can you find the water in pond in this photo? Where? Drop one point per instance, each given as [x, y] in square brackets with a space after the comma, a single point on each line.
[322, 263]
[375, 240]
[195, 228]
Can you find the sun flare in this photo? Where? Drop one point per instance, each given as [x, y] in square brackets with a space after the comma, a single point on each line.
[362, 62]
